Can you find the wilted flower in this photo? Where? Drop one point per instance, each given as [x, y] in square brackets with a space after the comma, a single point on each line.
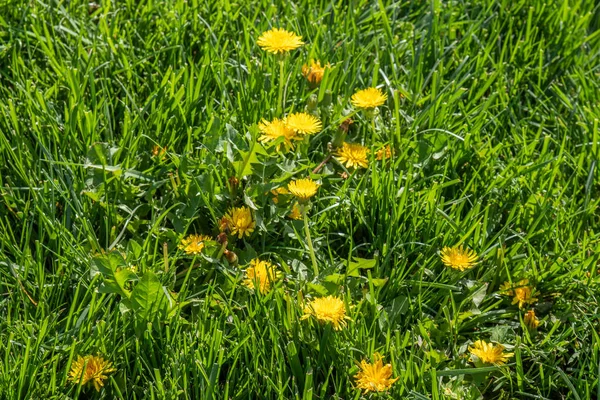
[279, 41]
[374, 377]
[91, 370]
[295, 213]
[531, 321]
[522, 292]
[384, 152]
[314, 72]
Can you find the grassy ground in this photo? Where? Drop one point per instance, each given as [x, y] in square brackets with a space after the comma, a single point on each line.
[493, 114]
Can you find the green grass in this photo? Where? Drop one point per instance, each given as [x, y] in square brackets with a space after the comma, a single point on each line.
[493, 112]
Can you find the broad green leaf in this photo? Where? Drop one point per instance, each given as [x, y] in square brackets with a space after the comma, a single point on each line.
[148, 297]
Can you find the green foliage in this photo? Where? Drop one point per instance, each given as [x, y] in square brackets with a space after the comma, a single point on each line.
[126, 126]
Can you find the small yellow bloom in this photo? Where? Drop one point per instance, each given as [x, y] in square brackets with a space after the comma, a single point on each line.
[327, 309]
[488, 353]
[458, 257]
[304, 189]
[384, 152]
[279, 41]
[295, 213]
[531, 321]
[193, 244]
[260, 275]
[277, 192]
[368, 98]
[303, 123]
[240, 222]
[374, 377]
[91, 370]
[353, 155]
[314, 72]
[273, 130]
[523, 293]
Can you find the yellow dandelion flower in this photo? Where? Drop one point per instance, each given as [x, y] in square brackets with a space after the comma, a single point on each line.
[458, 257]
[353, 155]
[374, 377]
[314, 72]
[295, 213]
[278, 41]
[91, 370]
[273, 130]
[368, 98]
[193, 244]
[260, 275]
[531, 321]
[303, 189]
[303, 123]
[384, 152]
[488, 353]
[240, 222]
[327, 309]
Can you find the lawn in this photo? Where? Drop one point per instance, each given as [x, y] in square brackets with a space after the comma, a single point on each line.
[383, 199]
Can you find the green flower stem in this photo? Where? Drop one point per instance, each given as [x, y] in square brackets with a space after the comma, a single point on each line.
[280, 94]
[309, 240]
[371, 116]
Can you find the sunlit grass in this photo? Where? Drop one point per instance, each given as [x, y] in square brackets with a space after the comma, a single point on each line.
[131, 130]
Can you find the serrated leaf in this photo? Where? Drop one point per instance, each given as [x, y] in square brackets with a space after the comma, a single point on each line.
[148, 298]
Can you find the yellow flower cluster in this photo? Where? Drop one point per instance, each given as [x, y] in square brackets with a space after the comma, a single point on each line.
[292, 128]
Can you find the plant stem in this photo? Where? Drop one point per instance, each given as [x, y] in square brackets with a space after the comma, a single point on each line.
[309, 240]
[280, 94]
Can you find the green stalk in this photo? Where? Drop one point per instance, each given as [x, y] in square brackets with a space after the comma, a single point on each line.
[280, 94]
[309, 240]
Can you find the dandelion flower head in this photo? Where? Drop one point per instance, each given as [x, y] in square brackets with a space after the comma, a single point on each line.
[374, 377]
[303, 123]
[458, 257]
[303, 189]
[368, 98]
[193, 244]
[353, 155]
[489, 353]
[240, 222]
[92, 370]
[328, 309]
[279, 41]
[273, 130]
[260, 275]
